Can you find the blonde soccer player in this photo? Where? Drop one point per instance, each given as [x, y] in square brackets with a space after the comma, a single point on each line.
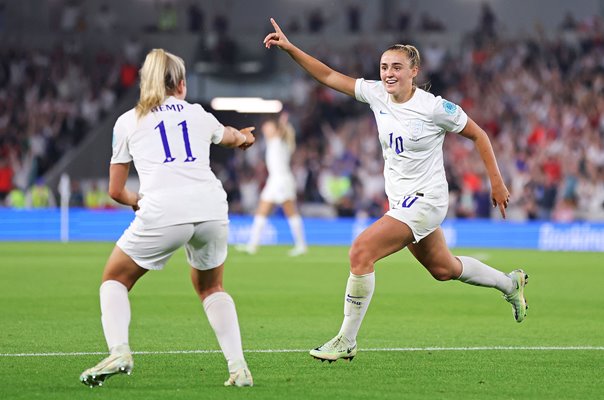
[180, 203]
[280, 187]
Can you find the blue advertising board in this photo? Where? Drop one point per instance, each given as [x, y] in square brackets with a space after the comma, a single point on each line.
[108, 225]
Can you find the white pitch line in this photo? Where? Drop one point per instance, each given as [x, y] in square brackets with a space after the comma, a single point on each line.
[392, 349]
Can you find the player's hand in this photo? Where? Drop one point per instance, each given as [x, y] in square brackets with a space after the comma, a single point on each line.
[276, 38]
[283, 118]
[250, 139]
[135, 206]
[500, 196]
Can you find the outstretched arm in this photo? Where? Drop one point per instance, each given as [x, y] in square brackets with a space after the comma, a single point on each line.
[238, 138]
[316, 69]
[500, 195]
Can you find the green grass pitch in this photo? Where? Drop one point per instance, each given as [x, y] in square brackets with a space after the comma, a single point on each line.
[421, 339]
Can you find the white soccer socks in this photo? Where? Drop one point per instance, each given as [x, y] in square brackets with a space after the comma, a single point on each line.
[256, 231]
[359, 291]
[222, 315]
[115, 315]
[297, 229]
[477, 273]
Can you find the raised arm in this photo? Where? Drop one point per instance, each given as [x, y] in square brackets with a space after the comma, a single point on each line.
[500, 195]
[237, 138]
[315, 68]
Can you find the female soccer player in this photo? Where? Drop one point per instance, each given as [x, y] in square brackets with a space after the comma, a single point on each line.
[280, 186]
[412, 124]
[180, 202]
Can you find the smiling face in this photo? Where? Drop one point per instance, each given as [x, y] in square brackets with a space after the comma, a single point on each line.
[397, 71]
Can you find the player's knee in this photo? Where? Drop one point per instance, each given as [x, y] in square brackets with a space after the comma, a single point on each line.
[206, 287]
[360, 256]
[205, 291]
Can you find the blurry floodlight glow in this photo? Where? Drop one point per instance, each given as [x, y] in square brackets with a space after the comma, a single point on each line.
[246, 105]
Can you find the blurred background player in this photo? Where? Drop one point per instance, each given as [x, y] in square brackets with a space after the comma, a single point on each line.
[412, 124]
[280, 188]
[181, 202]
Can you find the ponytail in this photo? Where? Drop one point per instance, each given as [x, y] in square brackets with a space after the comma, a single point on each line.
[287, 132]
[160, 76]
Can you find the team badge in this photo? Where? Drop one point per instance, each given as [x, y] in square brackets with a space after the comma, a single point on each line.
[450, 108]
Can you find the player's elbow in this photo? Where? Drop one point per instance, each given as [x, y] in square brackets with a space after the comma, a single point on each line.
[115, 193]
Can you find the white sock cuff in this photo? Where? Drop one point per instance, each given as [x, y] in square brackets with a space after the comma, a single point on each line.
[363, 275]
[260, 218]
[463, 265]
[294, 218]
[218, 296]
[116, 285]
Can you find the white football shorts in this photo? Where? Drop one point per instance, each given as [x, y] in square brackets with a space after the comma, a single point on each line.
[422, 213]
[278, 191]
[205, 244]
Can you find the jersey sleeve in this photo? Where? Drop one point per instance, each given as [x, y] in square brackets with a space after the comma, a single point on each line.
[120, 151]
[449, 116]
[218, 133]
[364, 90]
[215, 128]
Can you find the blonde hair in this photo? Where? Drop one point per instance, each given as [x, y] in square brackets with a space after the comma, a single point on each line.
[410, 51]
[160, 76]
[282, 129]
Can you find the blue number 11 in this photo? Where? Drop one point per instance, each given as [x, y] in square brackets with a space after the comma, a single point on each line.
[185, 138]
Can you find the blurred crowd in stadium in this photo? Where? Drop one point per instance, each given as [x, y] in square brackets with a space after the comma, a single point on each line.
[540, 99]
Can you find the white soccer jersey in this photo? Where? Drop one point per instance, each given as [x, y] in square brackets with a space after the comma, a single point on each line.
[281, 184]
[170, 147]
[411, 135]
[278, 158]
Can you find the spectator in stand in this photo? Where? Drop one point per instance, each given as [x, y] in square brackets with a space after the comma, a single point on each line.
[2, 16]
[105, 20]
[316, 21]
[132, 49]
[71, 17]
[546, 192]
[403, 21]
[76, 195]
[40, 195]
[223, 48]
[196, 18]
[429, 23]
[128, 75]
[95, 198]
[487, 22]
[6, 178]
[16, 199]
[168, 18]
[353, 18]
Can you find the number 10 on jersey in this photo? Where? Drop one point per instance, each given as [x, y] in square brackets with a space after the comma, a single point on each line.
[396, 144]
[185, 138]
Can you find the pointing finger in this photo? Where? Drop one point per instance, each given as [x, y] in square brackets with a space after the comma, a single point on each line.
[275, 25]
[502, 209]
